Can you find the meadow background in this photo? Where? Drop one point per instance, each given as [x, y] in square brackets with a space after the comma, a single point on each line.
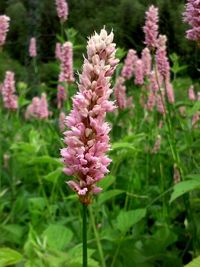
[149, 211]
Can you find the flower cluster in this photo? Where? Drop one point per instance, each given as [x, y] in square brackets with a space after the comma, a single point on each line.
[38, 108]
[129, 63]
[66, 71]
[120, 94]
[8, 90]
[58, 51]
[151, 27]
[192, 17]
[4, 27]
[87, 139]
[32, 47]
[62, 10]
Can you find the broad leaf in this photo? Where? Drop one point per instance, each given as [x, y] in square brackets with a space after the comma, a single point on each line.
[184, 187]
[127, 219]
[105, 196]
[58, 236]
[9, 257]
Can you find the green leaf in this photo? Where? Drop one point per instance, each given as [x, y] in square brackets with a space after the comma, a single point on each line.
[195, 176]
[127, 219]
[45, 159]
[12, 233]
[123, 145]
[58, 236]
[9, 257]
[53, 176]
[105, 196]
[107, 181]
[184, 187]
[194, 263]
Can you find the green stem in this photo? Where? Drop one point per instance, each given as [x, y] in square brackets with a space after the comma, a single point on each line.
[84, 234]
[99, 246]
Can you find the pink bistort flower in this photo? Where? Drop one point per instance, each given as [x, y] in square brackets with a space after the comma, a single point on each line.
[62, 10]
[8, 91]
[161, 58]
[151, 27]
[129, 64]
[38, 108]
[191, 93]
[87, 139]
[58, 51]
[146, 61]
[192, 17]
[4, 27]
[32, 47]
[62, 121]
[170, 92]
[120, 93]
[66, 74]
[139, 74]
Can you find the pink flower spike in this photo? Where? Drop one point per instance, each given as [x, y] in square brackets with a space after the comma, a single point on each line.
[161, 58]
[191, 16]
[62, 121]
[120, 93]
[129, 64]
[43, 107]
[8, 91]
[191, 93]
[62, 10]
[151, 27]
[32, 47]
[170, 92]
[58, 51]
[139, 75]
[87, 139]
[146, 61]
[38, 108]
[66, 74]
[4, 27]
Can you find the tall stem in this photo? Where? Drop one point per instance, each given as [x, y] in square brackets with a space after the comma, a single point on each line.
[99, 246]
[84, 235]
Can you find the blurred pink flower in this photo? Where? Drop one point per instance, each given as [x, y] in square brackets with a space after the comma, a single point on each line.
[170, 92]
[32, 47]
[62, 10]
[58, 51]
[66, 74]
[162, 61]
[160, 103]
[43, 107]
[120, 93]
[8, 91]
[38, 108]
[157, 144]
[151, 101]
[146, 61]
[87, 139]
[61, 96]
[151, 27]
[129, 64]
[195, 119]
[191, 16]
[191, 93]
[139, 75]
[4, 27]
[62, 121]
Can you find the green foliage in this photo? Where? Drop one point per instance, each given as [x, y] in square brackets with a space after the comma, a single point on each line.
[194, 263]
